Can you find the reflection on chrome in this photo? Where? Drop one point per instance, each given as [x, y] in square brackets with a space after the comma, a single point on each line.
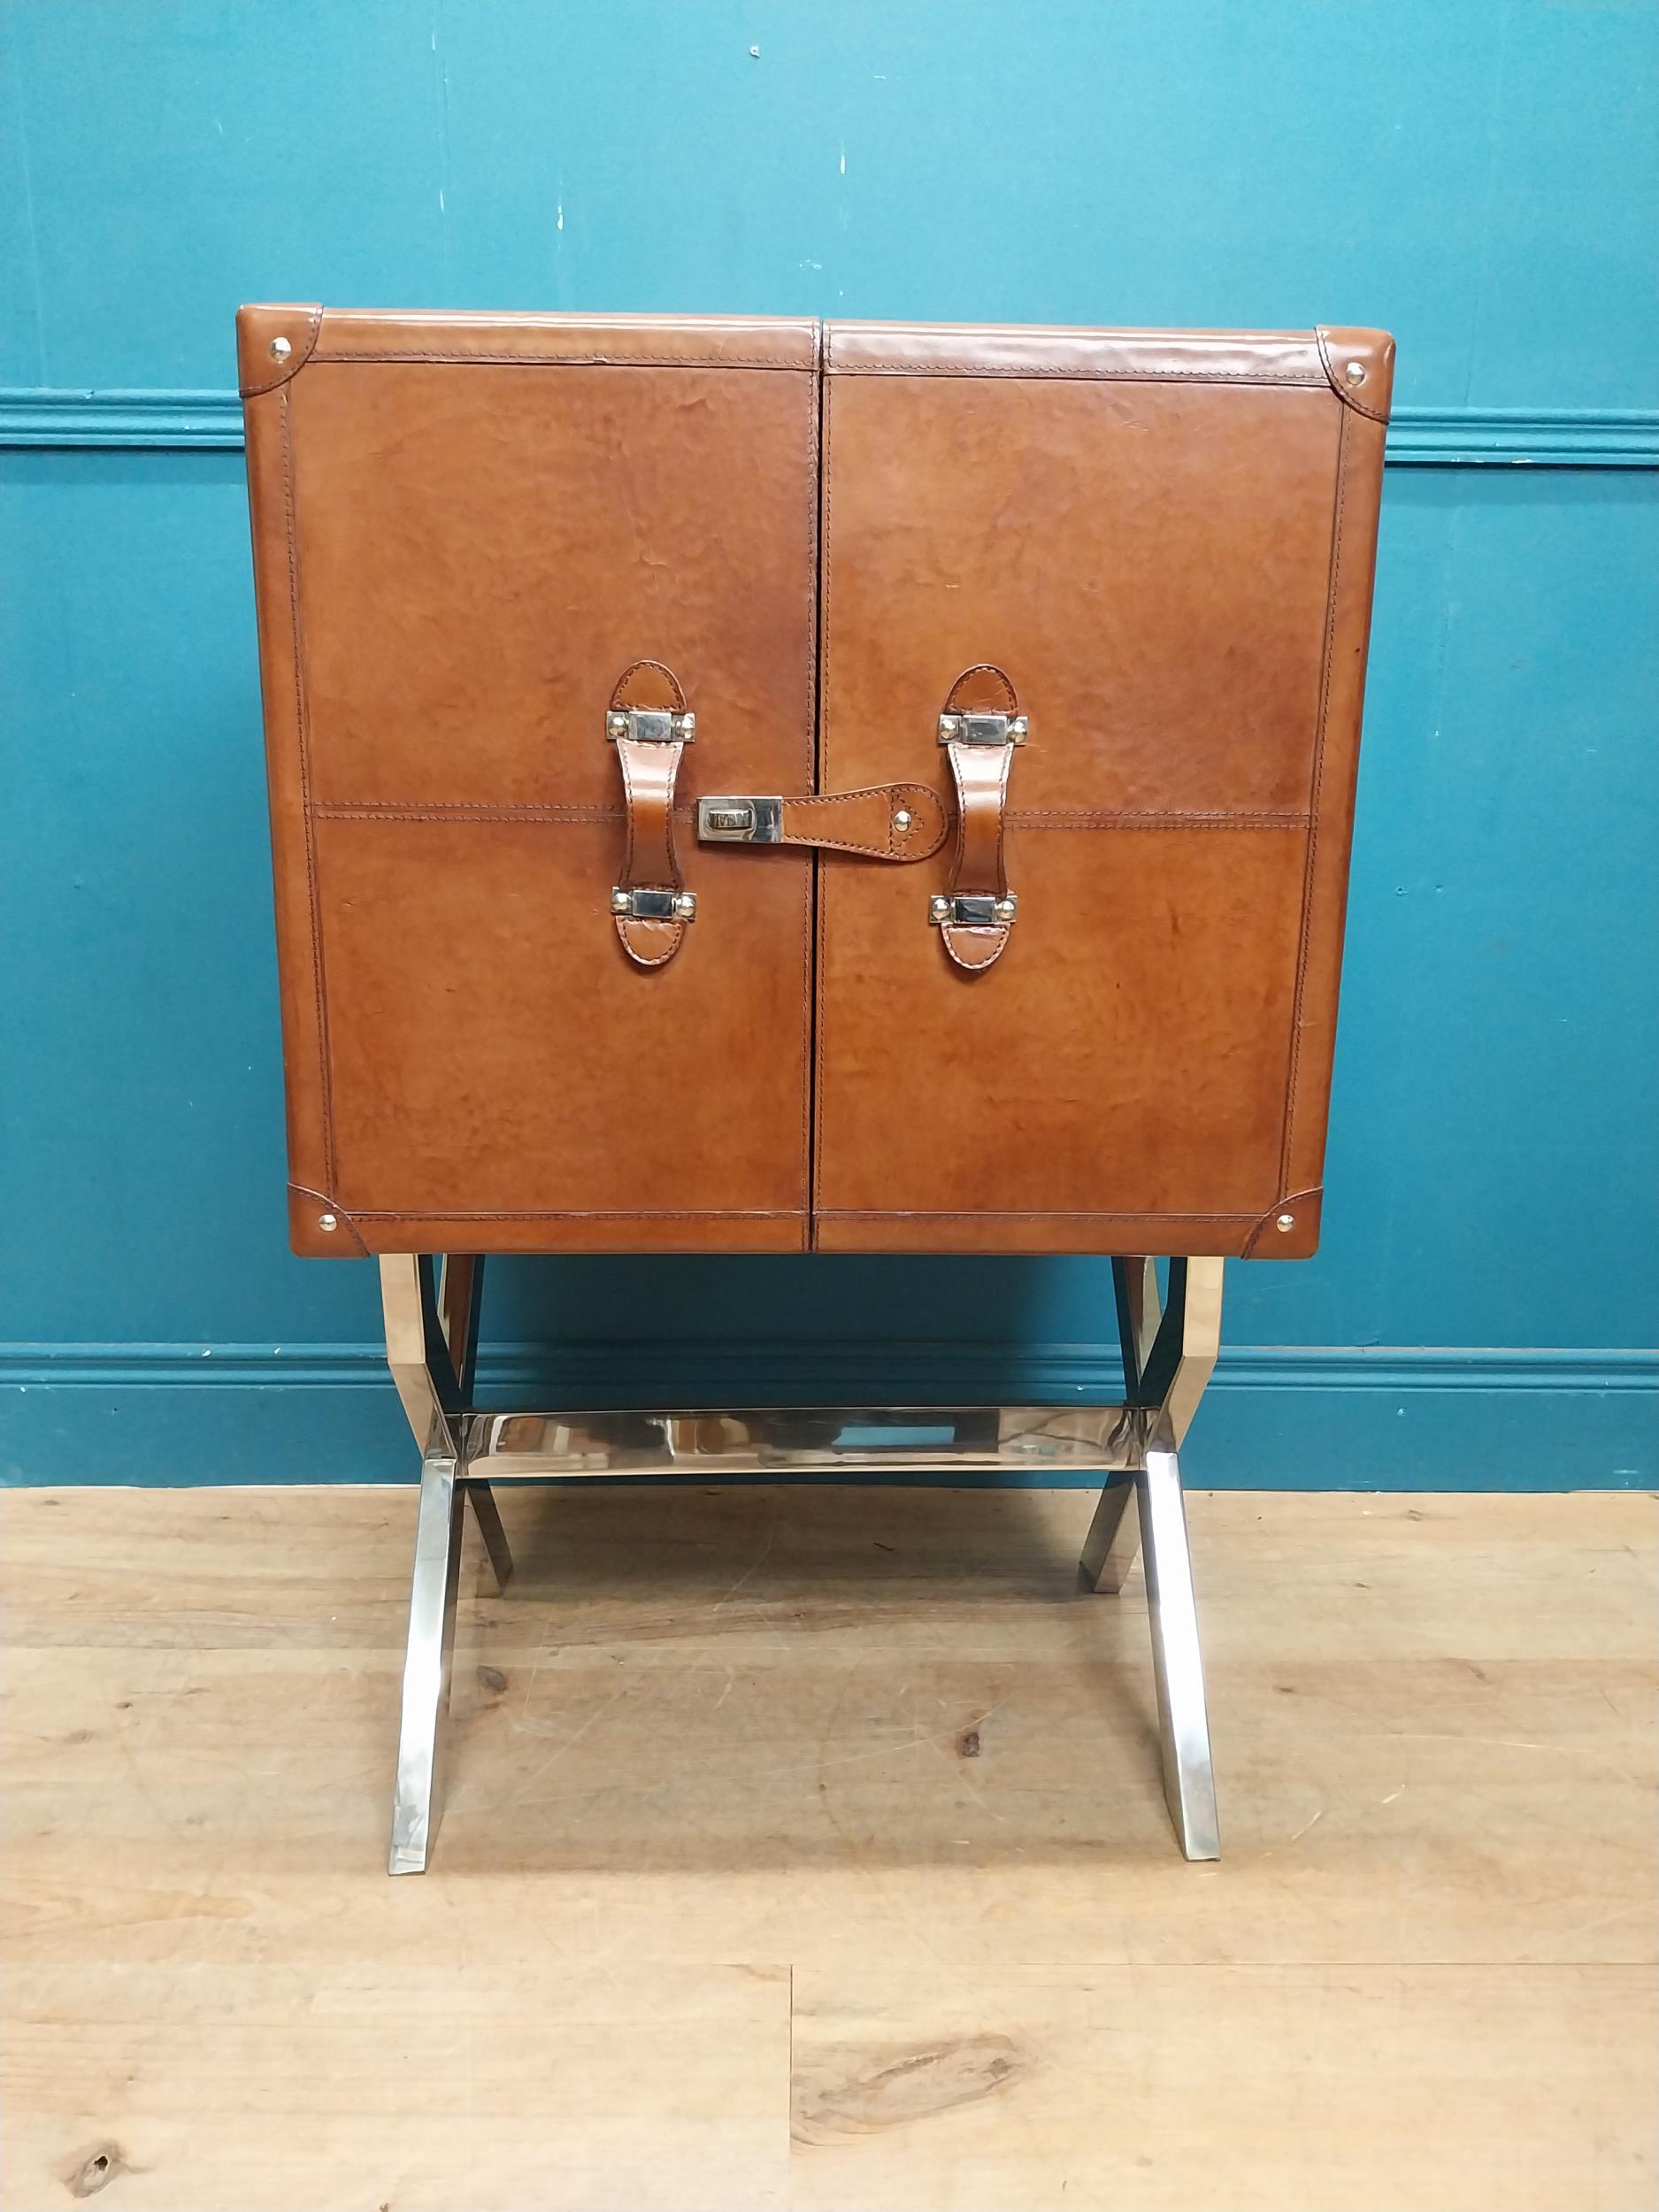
[805, 1438]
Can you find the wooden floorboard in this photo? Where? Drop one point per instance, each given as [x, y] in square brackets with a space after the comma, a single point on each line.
[805, 1848]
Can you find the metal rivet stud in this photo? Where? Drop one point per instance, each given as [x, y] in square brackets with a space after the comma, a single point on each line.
[327, 1224]
[901, 820]
[1286, 1221]
[1005, 909]
[618, 901]
[280, 351]
[684, 903]
[1354, 372]
[949, 725]
[941, 908]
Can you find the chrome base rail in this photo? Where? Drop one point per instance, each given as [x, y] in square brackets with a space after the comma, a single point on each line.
[432, 1311]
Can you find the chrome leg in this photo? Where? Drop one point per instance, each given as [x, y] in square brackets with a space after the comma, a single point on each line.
[432, 1348]
[430, 1344]
[487, 1515]
[1114, 1535]
[1113, 1538]
[1189, 1782]
[426, 1665]
[1163, 1381]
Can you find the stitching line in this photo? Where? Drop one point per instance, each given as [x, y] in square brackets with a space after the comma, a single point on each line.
[589, 1213]
[326, 1080]
[1313, 805]
[461, 811]
[570, 361]
[1151, 818]
[628, 923]
[810, 897]
[816, 1005]
[1013, 1213]
[508, 810]
[915, 793]
[1081, 375]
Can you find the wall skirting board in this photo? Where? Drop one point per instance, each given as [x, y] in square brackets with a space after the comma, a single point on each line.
[1277, 1417]
[1461, 437]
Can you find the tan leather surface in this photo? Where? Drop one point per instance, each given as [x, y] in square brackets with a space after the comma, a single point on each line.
[465, 525]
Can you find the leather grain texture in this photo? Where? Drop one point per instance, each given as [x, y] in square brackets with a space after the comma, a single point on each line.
[466, 529]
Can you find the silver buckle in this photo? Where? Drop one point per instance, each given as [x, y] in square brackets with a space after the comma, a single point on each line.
[745, 820]
[972, 910]
[649, 726]
[651, 905]
[982, 729]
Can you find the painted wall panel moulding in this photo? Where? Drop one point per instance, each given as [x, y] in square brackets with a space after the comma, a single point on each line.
[1276, 1417]
[1451, 437]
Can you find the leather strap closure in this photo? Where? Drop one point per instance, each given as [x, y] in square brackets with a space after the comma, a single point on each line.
[649, 725]
[884, 821]
[976, 910]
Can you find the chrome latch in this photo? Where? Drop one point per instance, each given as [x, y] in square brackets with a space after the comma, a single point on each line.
[745, 820]
[982, 729]
[651, 906]
[650, 726]
[972, 910]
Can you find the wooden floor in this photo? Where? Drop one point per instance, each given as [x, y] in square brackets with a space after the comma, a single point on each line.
[805, 1848]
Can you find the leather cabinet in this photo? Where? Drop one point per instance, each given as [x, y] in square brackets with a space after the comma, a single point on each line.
[748, 785]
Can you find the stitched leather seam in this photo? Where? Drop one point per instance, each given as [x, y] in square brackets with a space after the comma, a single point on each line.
[809, 872]
[566, 361]
[869, 790]
[1022, 818]
[1006, 1213]
[462, 810]
[1171, 818]
[827, 477]
[318, 989]
[634, 668]
[677, 931]
[1293, 1076]
[586, 1213]
[915, 791]
[1082, 375]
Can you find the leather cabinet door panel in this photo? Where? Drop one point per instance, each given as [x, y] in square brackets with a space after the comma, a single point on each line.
[465, 530]
[1165, 542]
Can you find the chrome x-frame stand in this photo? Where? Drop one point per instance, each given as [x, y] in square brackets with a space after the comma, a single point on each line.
[1169, 1349]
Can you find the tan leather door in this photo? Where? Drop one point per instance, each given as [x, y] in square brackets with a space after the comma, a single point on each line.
[1165, 543]
[466, 529]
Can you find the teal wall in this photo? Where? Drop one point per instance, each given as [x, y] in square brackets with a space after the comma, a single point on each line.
[1481, 179]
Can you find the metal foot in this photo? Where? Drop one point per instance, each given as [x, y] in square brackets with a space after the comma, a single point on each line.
[1189, 1782]
[426, 1665]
